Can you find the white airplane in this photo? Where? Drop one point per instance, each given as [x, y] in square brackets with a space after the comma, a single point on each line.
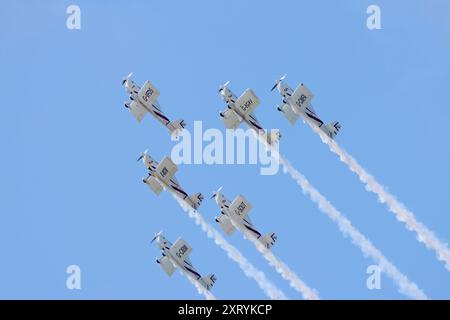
[177, 255]
[235, 215]
[143, 100]
[298, 103]
[241, 110]
[162, 175]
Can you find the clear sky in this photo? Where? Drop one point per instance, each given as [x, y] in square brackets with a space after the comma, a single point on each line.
[70, 185]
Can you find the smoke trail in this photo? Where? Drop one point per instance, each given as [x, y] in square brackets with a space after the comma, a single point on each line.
[250, 271]
[285, 272]
[406, 287]
[424, 234]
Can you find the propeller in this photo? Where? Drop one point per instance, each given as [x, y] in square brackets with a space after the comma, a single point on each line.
[142, 155]
[156, 236]
[126, 78]
[215, 193]
[224, 85]
[278, 81]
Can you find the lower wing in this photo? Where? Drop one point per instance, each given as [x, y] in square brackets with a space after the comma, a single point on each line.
[225, 224]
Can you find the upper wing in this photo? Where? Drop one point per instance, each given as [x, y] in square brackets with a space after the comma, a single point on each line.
[247, 102]
[302, 96]
[240, 206]
[181, 249]
[166, 169]
[148, 94]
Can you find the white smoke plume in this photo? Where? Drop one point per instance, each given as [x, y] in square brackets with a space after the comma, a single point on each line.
[405, 286]
[287, 274]
[424, 234]
[250, 271]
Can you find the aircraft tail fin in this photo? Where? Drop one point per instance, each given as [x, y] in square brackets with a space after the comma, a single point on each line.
[332, 129]
[269, 240]
[196, 199]
[176, 126]
[208, 281]
[273, 136]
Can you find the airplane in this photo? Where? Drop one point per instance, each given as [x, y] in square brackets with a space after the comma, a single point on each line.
[235, 215]
[241, 110]
[177, 255]
[298, 103]
[162, 175]
[143, 100]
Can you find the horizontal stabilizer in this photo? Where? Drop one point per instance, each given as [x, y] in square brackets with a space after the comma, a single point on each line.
[332, 129]
[269, 240]
[208, 281]
[196, 199]
[272, 137]
[176, 126]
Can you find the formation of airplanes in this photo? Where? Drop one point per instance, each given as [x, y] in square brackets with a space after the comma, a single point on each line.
[233, 215]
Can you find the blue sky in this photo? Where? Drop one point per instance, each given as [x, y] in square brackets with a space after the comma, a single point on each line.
[71, 190]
